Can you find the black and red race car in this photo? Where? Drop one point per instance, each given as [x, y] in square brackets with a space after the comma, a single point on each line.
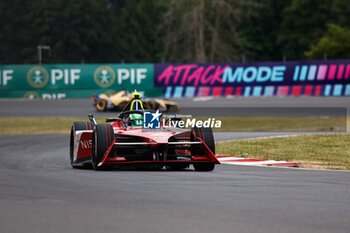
[120, 143]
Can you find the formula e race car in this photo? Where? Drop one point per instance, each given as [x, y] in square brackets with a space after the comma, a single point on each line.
[119, 101]
[124, 142]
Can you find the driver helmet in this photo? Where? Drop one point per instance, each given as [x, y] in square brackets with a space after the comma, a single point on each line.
[136, 104]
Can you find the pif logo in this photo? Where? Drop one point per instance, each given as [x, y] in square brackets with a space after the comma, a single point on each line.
[37, 77]
[31, 95]
[104, 76]
[151, 120]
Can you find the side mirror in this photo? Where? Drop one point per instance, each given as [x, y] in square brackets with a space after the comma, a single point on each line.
[92, 119]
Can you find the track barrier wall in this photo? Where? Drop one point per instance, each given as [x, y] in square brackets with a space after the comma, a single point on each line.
[74, 81]
[308, 78]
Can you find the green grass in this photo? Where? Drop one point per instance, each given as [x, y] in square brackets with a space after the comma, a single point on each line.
[278, 124]
[50, 125]
[40, 125]
[326, 151]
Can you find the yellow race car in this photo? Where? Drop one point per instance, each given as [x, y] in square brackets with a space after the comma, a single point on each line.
[119, 100]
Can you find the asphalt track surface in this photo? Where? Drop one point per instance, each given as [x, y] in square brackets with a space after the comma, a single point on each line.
[40, 192]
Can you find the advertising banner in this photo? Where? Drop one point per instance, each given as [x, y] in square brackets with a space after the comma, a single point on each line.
[75, 81]
[310, 78]
[54, 94]
[318, 78]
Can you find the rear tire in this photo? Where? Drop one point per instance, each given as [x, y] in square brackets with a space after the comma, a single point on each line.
[102, 138]
[206, 134]
[77, 125]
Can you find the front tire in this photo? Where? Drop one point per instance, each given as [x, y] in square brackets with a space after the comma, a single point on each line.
[102, 138]
[204, 167]
[206, 134]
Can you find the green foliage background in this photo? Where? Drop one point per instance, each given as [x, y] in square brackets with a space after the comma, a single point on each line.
[173, 30]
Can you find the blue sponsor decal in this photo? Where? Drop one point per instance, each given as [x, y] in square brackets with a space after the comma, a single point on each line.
[151, 120]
